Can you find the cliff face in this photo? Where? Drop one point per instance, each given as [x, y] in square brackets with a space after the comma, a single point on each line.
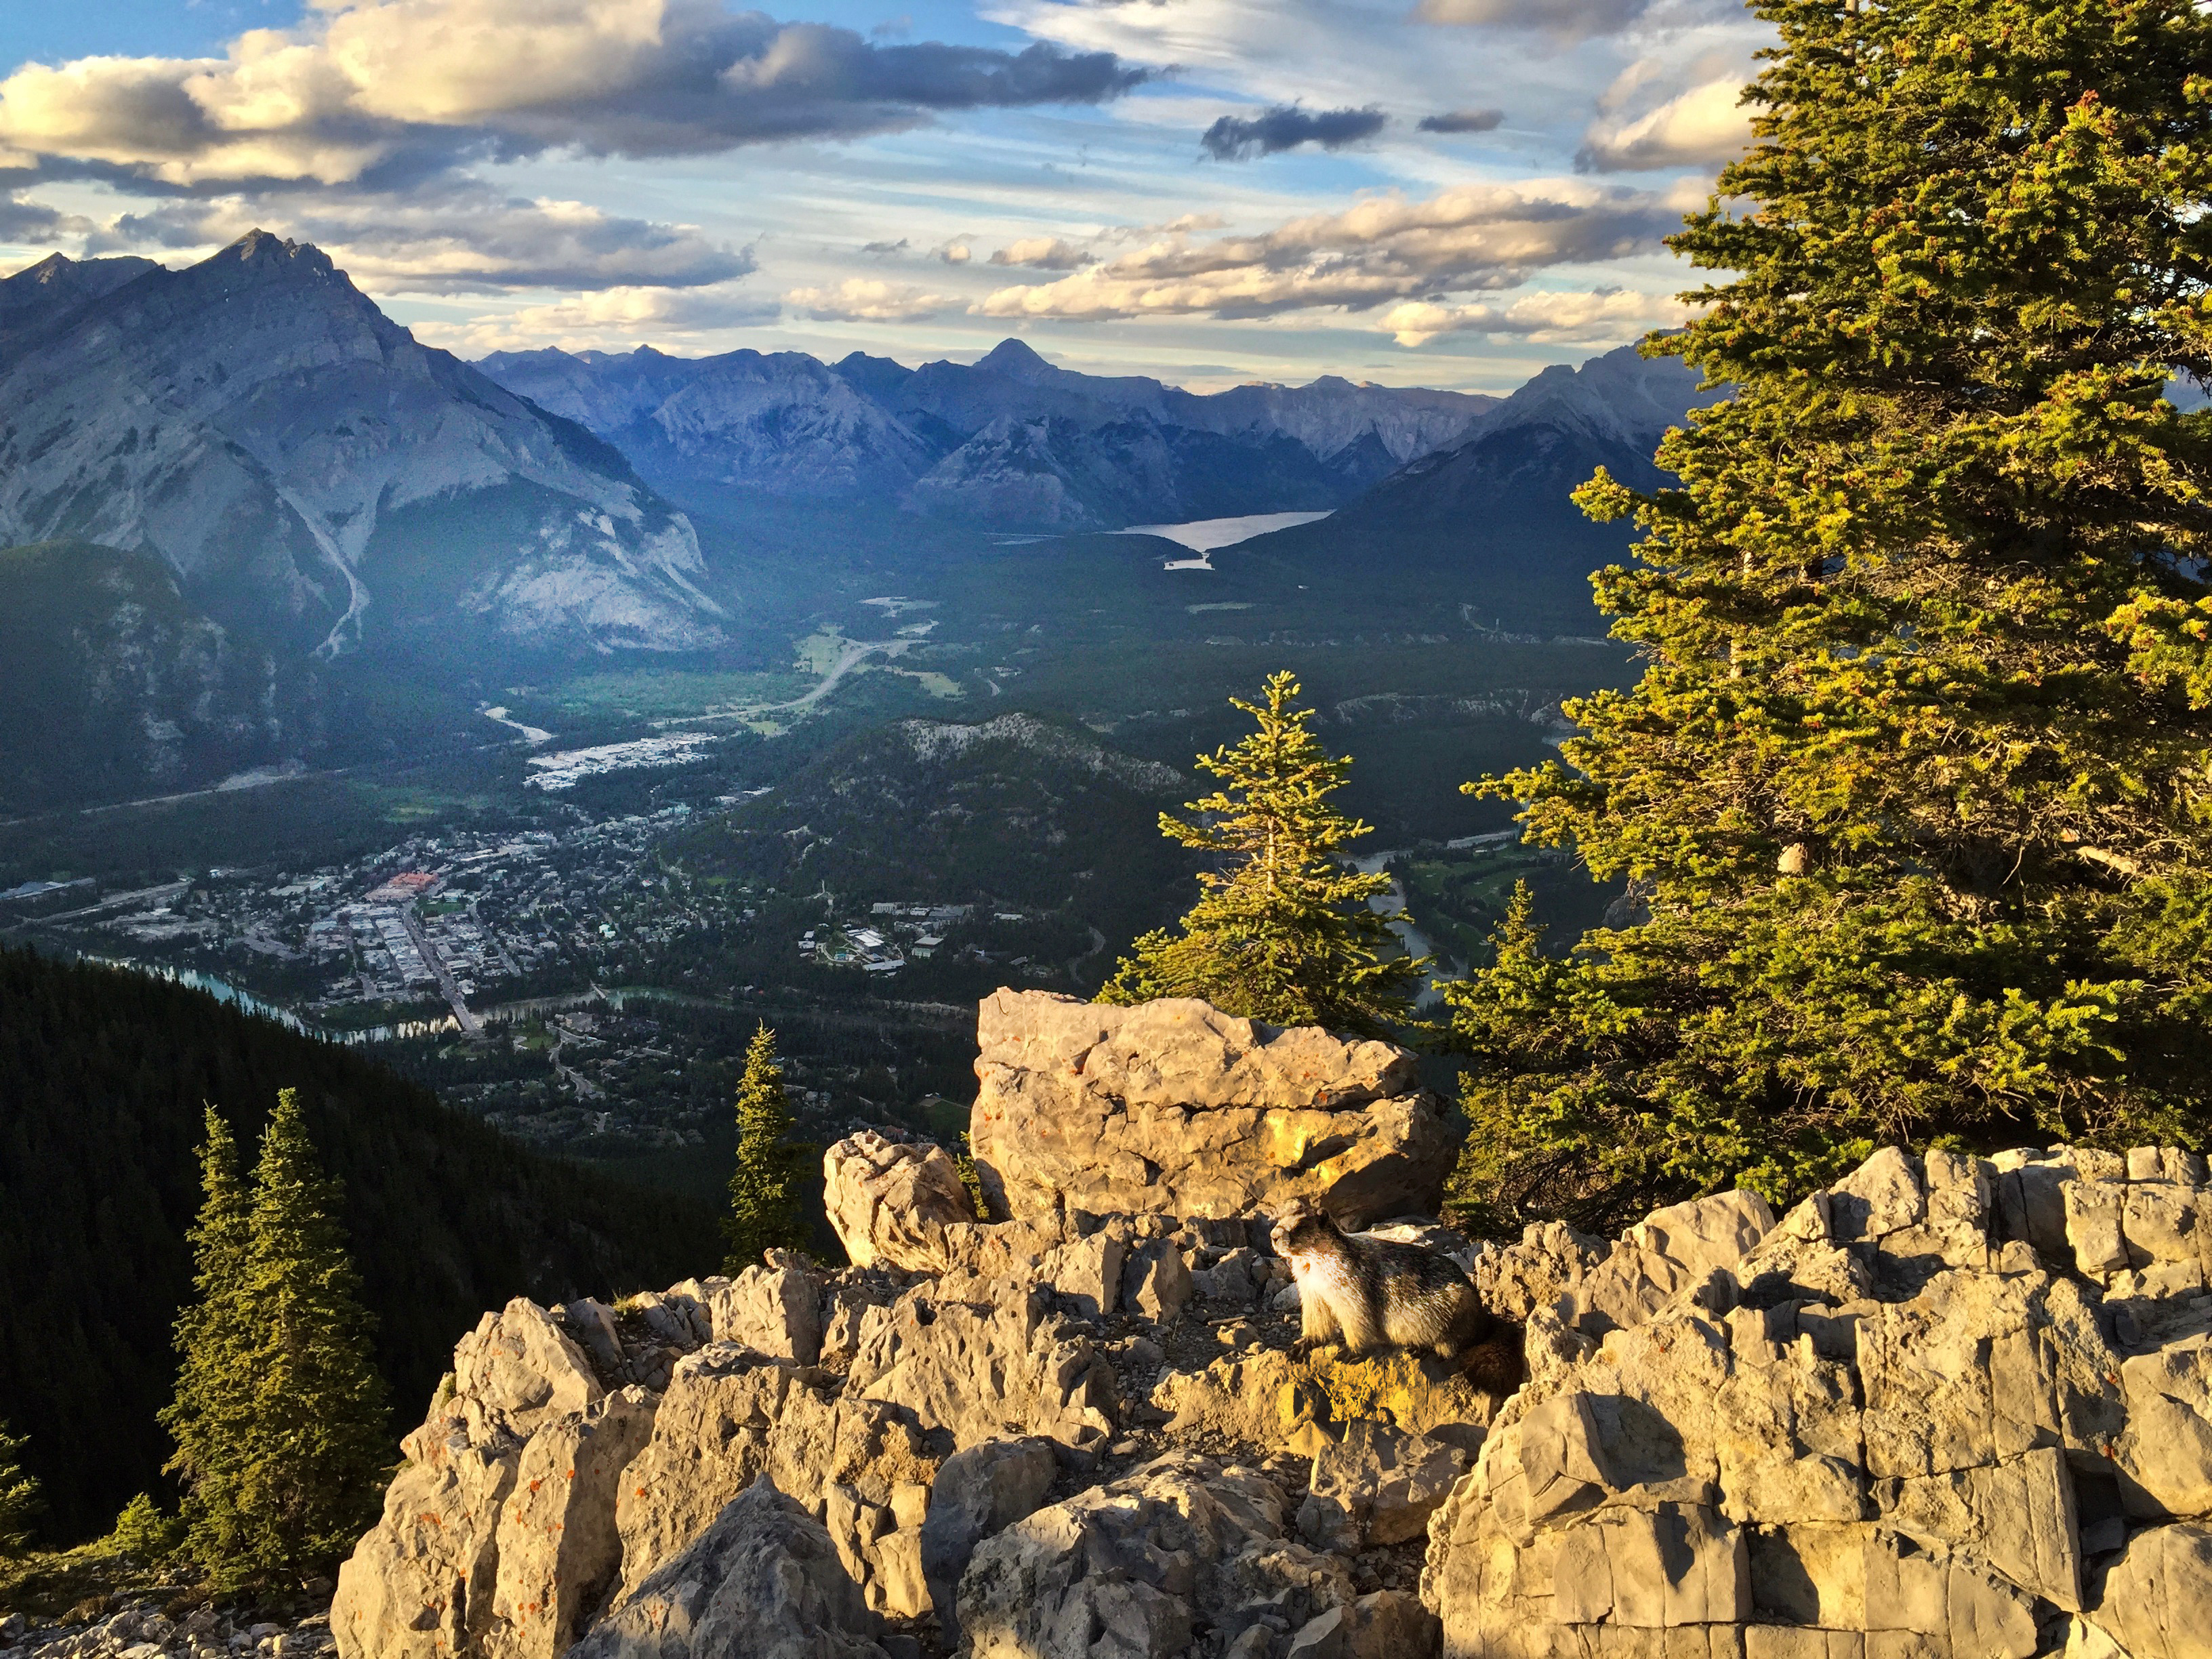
[1950, 1406]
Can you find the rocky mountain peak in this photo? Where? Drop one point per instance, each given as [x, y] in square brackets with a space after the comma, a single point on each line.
[1016, 359]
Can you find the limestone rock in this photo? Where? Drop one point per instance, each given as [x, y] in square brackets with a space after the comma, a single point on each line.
[559, 1554]
[730, 1416]
[1172, 1107]
[1383, 1484]
[774, 1308]
[1135, 1567]
[517, 1369]
[1385, 1625]
[978, 1493]
[980, 1370]
[888, 1200]
[1266, 1398]
[1156, 1281]
[1887, 1424]
[762, 1582]
[2156, 1597]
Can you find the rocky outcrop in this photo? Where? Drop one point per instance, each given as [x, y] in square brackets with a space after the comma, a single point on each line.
[1947, 1406]
[888, 1200]
[1173, 1108]
[1143, 1564]
[763, 1582]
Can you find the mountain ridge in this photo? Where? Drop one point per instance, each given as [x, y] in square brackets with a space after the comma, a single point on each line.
[259, 423]
[1009, 439]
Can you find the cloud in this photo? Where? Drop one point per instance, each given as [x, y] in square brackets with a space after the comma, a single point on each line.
[1463, 120]
[953, 253]
[1601, 317]
[1182, 225]
[1476, 236]
[1285, 127]
[884, 250]
[866, 299]
[417, 84]
[1568, 19]
[1702, 127]
[616, 317]
[459, 238]
[1042, 253]
[22, 220]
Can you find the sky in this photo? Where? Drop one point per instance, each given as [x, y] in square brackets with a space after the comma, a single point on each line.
[1416, 192]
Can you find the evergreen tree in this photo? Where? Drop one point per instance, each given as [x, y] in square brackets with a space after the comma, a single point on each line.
[298, 1467]
[1283, 931]
[19, 1496]
[209, 1412]
[1914, 780]
[764, 1192]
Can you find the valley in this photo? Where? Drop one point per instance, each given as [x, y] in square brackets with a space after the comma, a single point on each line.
[841, 695]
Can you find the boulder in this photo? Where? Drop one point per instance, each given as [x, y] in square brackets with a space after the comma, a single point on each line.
[1376, 1486]
[497, 1536]
[762, 1582]
[978, 1493]
[732, 1415]
[1885, 1423]
[1172, 1107]
[888, 1200]
[1137, 1567]
[774, 1308]
[982, 1370]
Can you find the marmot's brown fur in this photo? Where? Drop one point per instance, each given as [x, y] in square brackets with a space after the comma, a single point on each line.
[1370, 1293]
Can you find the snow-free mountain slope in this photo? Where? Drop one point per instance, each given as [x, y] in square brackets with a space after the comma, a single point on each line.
[256, 423]
[38, 295]
[1492, 515]
[1008, 439]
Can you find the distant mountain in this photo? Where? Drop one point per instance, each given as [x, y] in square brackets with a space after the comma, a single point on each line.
[116, 686]
[58, 284]
[1009, 439]
[1491, 513]
[314, 476]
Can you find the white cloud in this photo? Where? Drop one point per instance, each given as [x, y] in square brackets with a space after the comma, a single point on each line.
[866, 299]
[1042, 253]
[1701, 127]
[1598, 318]
[1570, 20]
[1477, 236]
[613, 318]
[448, 240]
[363, 84]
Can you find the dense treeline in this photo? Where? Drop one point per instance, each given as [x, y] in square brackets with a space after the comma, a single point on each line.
[103, 1075]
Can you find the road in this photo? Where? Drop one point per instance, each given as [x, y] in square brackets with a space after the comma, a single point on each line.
[436, 963]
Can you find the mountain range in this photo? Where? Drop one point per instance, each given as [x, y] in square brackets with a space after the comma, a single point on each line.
[1009, 440]
[1495, 510]
[226, 473]
[307, 468]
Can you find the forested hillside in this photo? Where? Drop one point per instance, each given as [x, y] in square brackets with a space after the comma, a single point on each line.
[102, 1074]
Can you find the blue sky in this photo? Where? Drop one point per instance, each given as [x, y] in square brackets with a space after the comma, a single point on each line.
[1209, 191]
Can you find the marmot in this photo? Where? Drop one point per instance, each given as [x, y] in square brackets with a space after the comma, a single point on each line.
[1369, 1293]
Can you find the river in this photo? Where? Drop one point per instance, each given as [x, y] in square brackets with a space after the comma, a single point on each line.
[1393, 905]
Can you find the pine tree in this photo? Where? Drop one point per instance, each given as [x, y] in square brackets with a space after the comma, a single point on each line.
[764, 1191]
[1283, 932]
[283, 1454]
[19, 1496]
[1914, 779]
[209, 1416]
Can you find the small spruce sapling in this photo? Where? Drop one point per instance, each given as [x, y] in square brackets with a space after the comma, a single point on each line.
[1283, 931]
[764, 1189]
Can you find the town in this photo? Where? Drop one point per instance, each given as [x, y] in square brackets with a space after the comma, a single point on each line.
[570, 982]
